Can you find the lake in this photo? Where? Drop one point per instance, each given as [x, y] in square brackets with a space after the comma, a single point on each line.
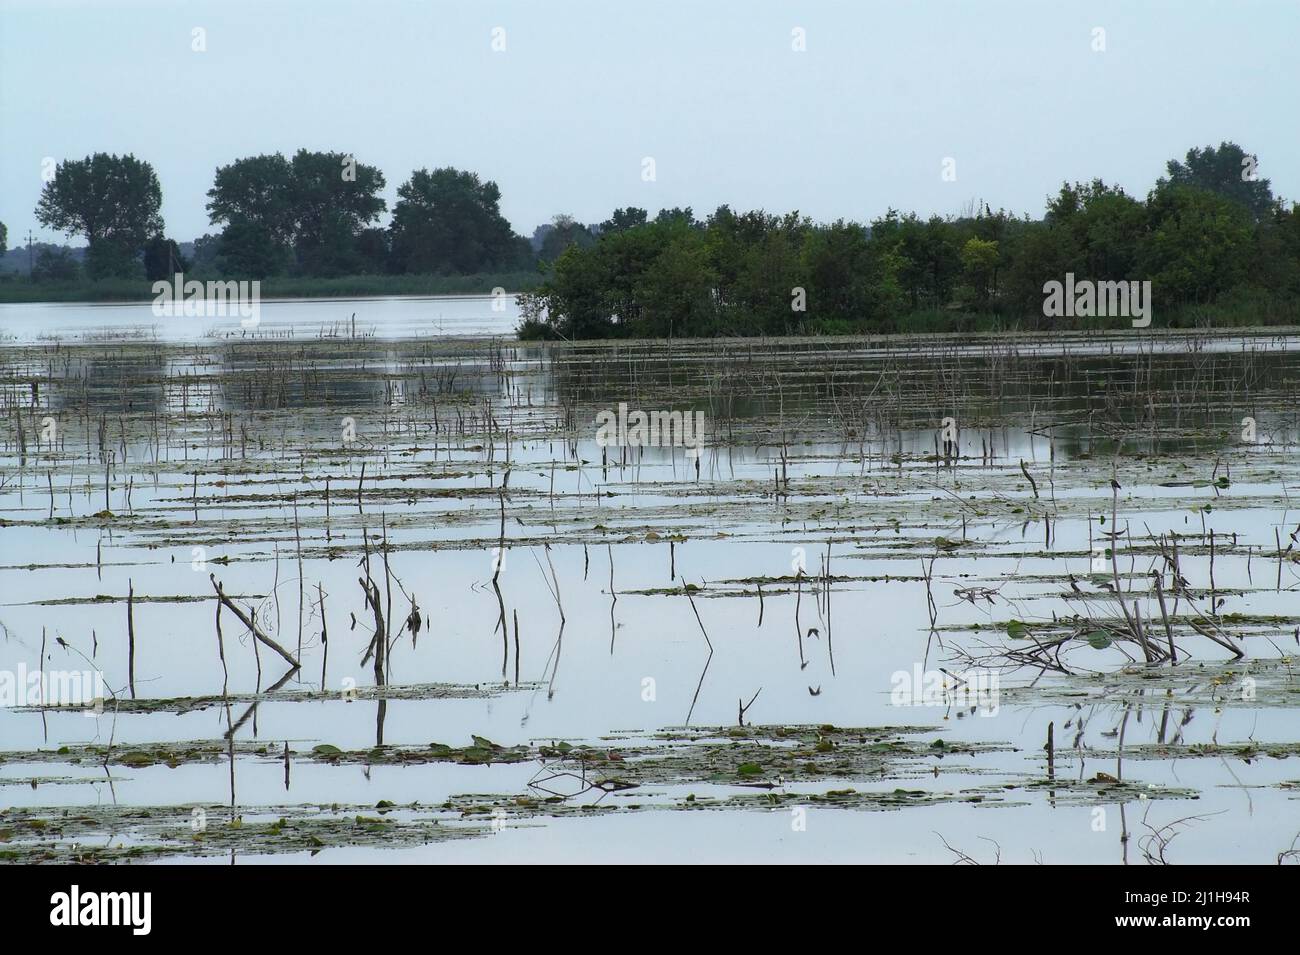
[894, 609]
[388, 317]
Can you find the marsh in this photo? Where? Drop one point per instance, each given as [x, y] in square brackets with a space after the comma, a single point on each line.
[464, 634]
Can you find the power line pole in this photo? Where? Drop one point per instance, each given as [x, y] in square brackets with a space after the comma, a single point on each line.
[31, 272]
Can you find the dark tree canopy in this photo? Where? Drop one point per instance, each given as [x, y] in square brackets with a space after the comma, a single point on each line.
[55, 265]
[333, 198]
[450, 221]
[113, 201]
[624, 219]
[249, 250]
[1228, 171]
[564, 232]
[314, 206]
[163, 259]
[1216, 240]
[255, 191]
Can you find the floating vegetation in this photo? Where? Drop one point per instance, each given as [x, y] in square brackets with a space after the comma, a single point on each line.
[312, 570]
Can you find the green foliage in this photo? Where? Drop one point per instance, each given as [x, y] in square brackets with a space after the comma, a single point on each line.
[162, 259]
[310, 211]
[1210, 239]
[255, 191]
[1198, 244]
[55, 265]
[248, 249]
[623, 219]
[564, 233]
[979, 262]
[448, 221]
[113, 201]
[1229, 172]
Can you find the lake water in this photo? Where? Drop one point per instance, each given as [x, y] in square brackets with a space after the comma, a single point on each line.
[723, 657]
[387, 317]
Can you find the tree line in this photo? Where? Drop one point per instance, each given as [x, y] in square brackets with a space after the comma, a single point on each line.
[1210, 231]
[1209, 234]
[312, 214]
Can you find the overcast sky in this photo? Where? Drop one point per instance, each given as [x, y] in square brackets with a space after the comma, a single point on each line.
[711, 89]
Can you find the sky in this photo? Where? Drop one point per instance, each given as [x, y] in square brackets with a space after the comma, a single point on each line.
[860, 120]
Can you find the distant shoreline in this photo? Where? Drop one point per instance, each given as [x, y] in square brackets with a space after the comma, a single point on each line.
[124, 291]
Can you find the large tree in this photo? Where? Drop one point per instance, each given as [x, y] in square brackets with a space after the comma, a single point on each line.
[113, 201]
[1199, 245]
[255, 191]
[334, 198]
[449, 221]
[316, 204]
[1228, 171]
[1104, 226]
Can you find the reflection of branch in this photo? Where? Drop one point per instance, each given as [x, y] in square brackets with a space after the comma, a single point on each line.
[234, 728]
[706, 662]
[604, 786]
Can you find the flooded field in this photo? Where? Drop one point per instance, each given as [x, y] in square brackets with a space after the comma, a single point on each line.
[331, 595]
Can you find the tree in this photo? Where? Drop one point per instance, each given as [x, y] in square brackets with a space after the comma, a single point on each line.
[1037, 253]
[675, 291]
[449, 221]
[113, 201]
[373, 251]
[258, 191]
[4, 238]
[55, 265]
[676, 215]
[318, 203]
[1199, 244]
[979, 262]
[250, 250]
[770, 270]
[1276, 254]
[203, 257]
[566, 231]
[1103, 226]
[163, 259]
[575, 296]
[624, 219]
[849, 284]
[928, 256]
[333, 197]
[1228, 171]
